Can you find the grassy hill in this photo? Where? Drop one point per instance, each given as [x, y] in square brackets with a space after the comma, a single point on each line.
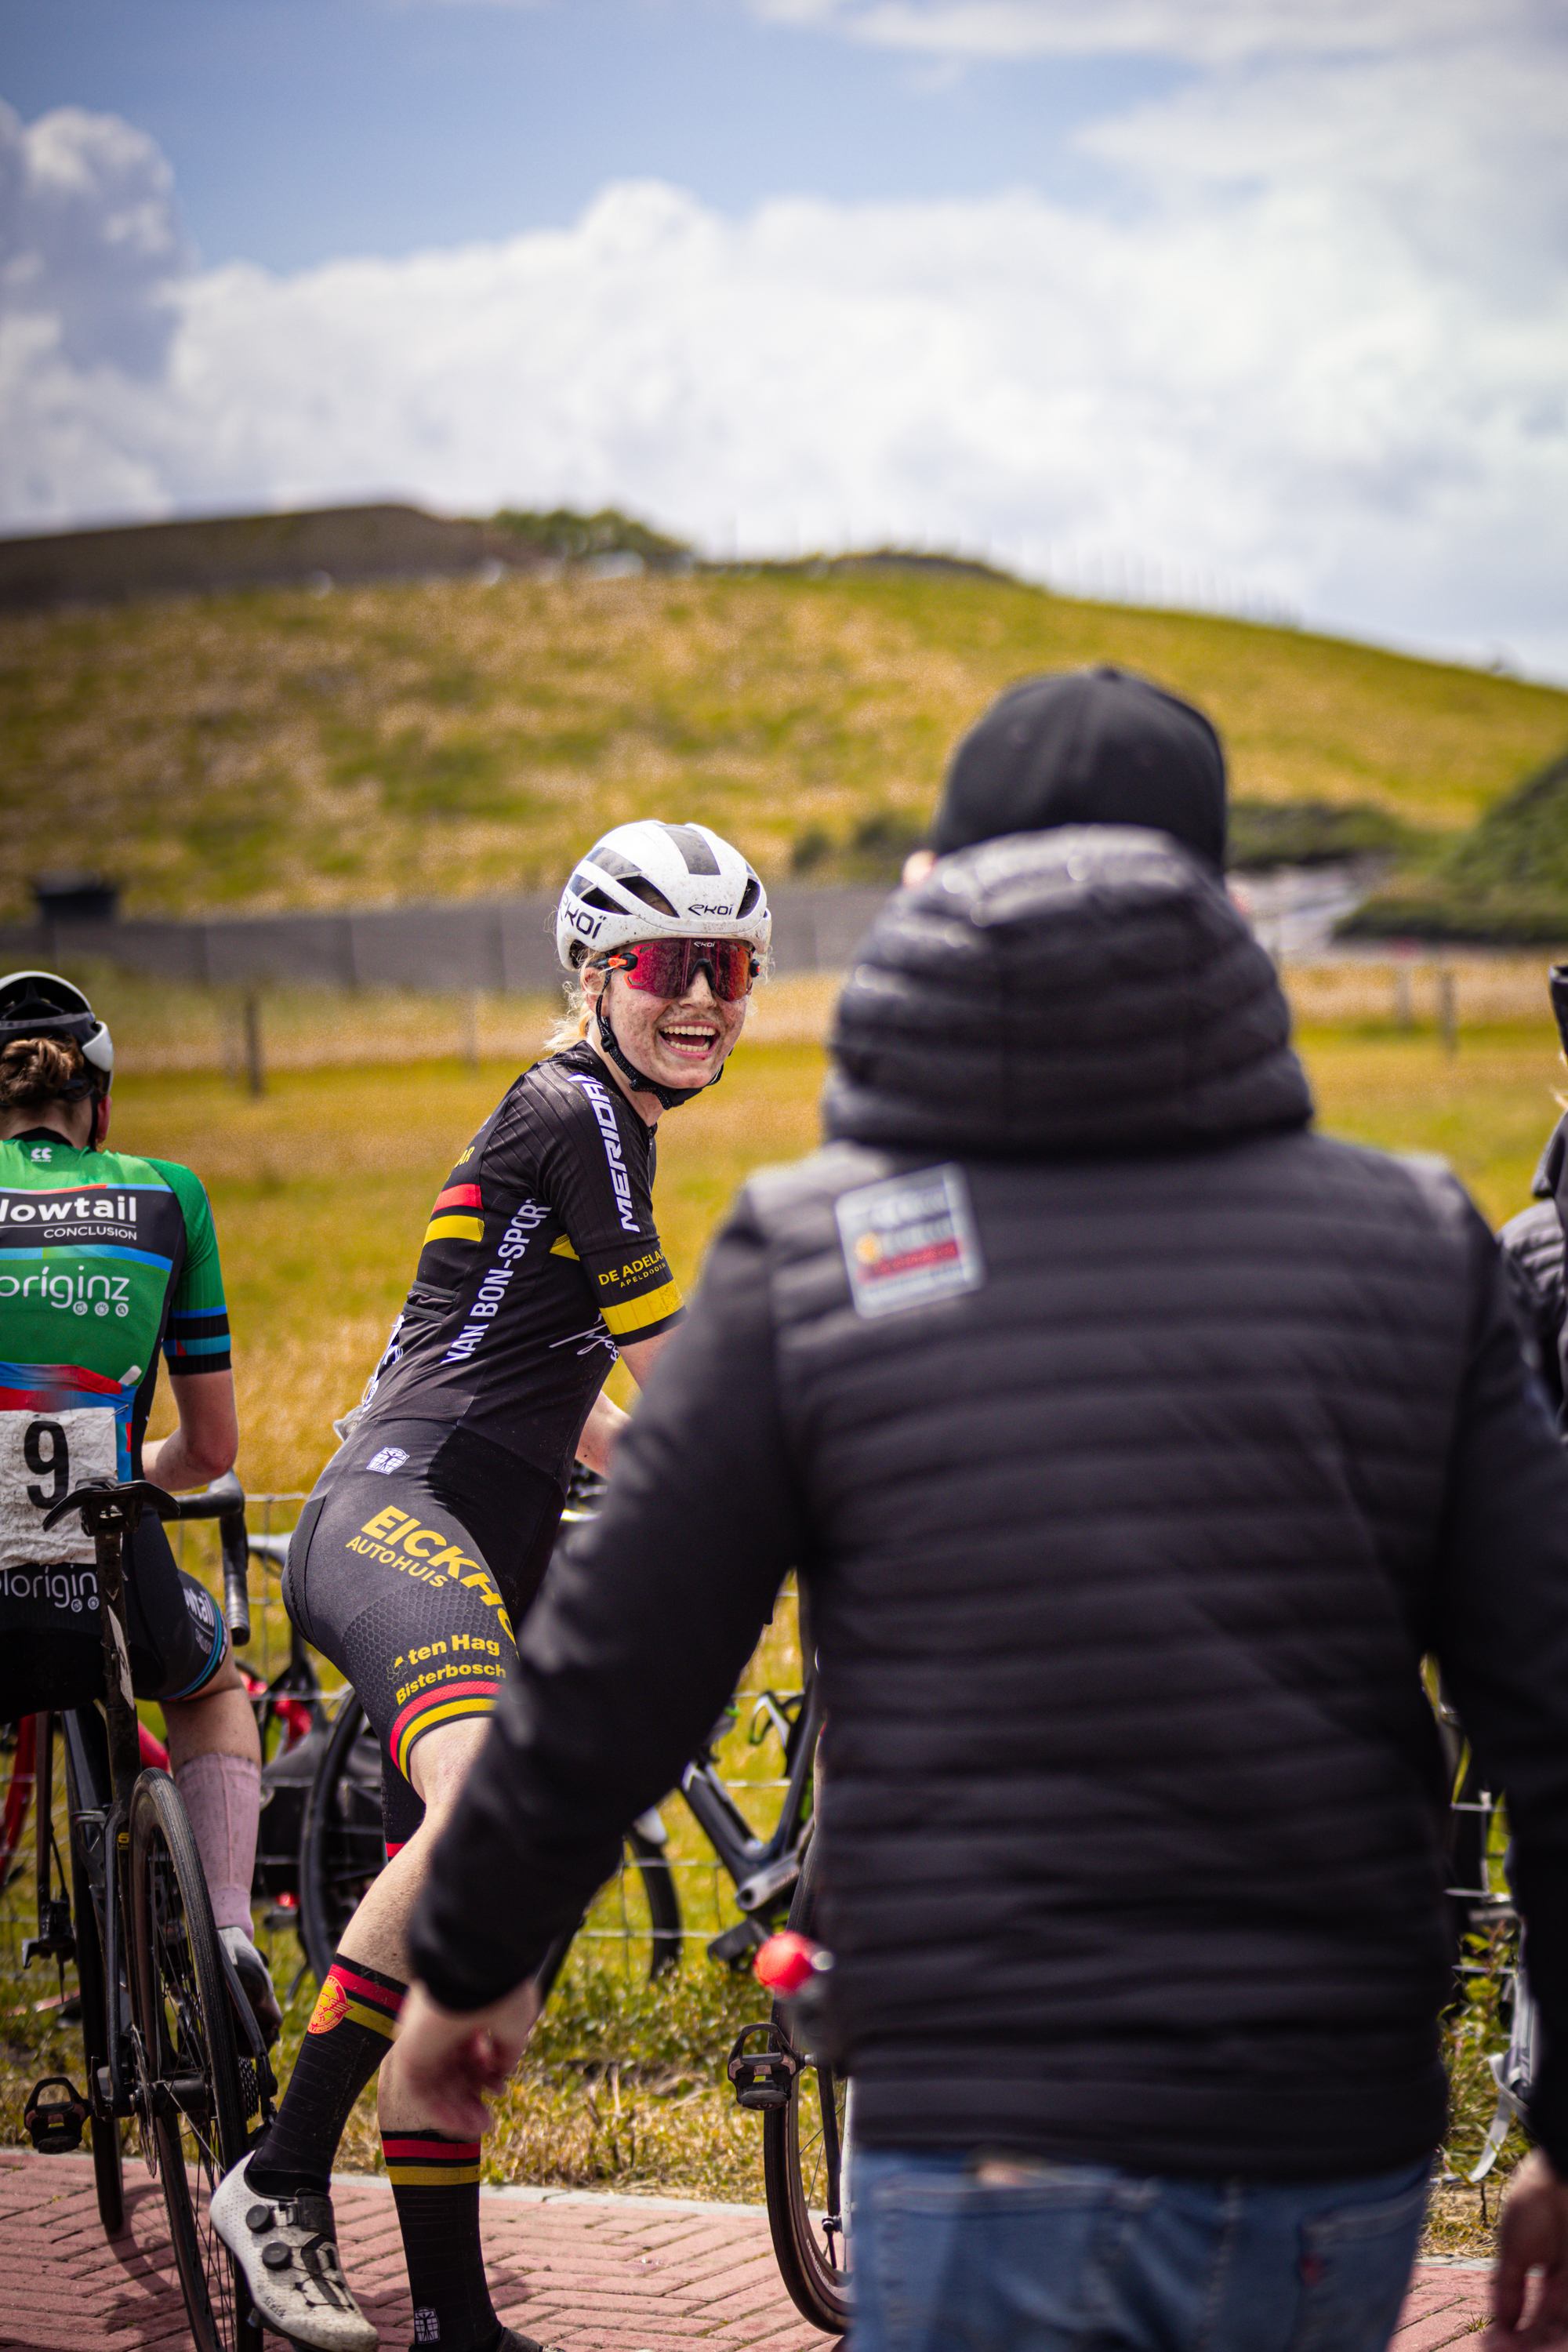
[1505, 879]
[274, 748]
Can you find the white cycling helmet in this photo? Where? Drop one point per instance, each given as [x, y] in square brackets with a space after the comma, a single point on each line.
[42, 1004]
[649, 881]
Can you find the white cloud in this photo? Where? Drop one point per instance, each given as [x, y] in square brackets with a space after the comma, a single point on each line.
[1317, 353]
[1213, 32]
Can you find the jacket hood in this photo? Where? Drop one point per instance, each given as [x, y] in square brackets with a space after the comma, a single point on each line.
[1085, 990]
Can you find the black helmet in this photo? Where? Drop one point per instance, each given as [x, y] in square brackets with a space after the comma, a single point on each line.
[1557, 985]
[41, 1004]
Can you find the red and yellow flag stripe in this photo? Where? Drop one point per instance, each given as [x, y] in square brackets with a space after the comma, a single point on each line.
[430, 2163]
[447, 1220]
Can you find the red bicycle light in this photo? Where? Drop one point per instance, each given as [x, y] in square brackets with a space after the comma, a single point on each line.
[788, 1962]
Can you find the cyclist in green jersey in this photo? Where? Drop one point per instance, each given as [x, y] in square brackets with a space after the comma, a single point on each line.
[105, 1258]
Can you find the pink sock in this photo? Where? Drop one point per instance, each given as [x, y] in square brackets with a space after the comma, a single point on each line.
[222, 1795]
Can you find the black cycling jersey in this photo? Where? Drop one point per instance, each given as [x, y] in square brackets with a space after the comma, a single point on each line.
[541, 1256]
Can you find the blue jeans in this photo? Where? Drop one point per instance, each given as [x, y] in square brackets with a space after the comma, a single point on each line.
[1082, 2256]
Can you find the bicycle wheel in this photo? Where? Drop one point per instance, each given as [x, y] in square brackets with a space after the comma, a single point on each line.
[805, 2169]
[631, 1929]
[341, 1846]
[107, 2173]
[661, 1901]
[21, 1740]
[186, 2059]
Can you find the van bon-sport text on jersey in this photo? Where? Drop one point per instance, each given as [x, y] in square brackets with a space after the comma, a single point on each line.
[104, 1258]
[540, 1259]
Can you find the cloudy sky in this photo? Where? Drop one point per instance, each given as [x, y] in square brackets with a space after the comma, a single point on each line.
[1257, 301]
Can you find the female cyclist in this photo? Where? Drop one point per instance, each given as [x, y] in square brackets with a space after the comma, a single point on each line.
[104, 1257]
[428, 1533]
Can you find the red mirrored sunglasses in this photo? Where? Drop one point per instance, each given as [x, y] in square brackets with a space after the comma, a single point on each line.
[665, 967]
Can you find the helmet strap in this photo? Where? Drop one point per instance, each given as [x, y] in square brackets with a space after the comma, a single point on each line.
[639, 1080]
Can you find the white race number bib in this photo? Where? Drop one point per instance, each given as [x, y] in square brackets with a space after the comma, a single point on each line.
[43, 1455]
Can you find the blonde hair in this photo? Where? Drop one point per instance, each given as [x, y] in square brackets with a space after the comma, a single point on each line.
[37, 1071]
[573, 1023]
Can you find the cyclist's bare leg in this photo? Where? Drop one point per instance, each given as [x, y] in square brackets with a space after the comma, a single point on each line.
[377, 1933]
[215, 1754]
[219, 1720]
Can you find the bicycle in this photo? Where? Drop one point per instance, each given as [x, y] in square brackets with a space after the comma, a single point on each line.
[165, 2021]
[806, 2103]
[341, 1847]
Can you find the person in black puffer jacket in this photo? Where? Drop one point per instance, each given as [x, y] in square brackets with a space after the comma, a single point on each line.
[1535, 1243]
[1136, 1443]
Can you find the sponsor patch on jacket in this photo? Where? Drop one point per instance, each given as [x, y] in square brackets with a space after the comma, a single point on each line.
[909, 1240]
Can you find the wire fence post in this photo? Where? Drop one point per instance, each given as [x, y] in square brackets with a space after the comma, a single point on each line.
[1448, 1009]
[1403, 1013]
[254, 1063]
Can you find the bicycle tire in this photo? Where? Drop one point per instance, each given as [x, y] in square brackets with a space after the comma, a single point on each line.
[802, 2180]
[18, 1795]
[651, 1949]
[188, 2062]
[340, 1851]
[341, 1846]
[663, 1903]
[108, 2167]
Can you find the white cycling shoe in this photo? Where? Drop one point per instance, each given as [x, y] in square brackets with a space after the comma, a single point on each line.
[287, 2248]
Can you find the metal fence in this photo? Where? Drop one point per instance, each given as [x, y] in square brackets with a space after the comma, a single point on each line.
[499, 944]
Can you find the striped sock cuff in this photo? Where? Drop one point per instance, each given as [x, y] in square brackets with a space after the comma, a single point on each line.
[356, 1995]
[428, 2161]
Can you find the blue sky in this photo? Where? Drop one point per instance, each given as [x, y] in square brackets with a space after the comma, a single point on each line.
[1261, 303]
[301, 130]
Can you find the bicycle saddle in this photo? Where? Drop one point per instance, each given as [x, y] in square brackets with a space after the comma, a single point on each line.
[106, 1503]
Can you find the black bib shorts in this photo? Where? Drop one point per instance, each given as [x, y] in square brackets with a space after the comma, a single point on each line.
[52, 1639]
[410, 1567]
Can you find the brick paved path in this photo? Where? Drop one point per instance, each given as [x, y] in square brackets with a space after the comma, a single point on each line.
[588, 2274]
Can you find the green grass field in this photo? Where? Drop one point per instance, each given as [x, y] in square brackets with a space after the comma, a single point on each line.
[321, 1193]
[274, 750]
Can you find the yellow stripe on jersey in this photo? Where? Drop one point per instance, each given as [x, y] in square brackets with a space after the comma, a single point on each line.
[454, 1229]
[563, 1248]
[624, 1322]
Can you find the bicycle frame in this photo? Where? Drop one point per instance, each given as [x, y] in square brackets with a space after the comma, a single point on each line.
[103, 1764]
[763, 1869]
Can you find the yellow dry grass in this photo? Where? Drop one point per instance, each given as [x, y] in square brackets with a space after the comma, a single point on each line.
[271, 749]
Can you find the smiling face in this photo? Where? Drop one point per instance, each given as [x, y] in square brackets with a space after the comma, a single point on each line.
[681, 1041]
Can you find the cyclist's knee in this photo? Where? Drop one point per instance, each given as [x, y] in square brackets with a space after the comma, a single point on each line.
[442, 1760]
[217, 1719]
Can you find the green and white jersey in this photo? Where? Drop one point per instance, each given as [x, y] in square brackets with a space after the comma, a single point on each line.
[104, 1259]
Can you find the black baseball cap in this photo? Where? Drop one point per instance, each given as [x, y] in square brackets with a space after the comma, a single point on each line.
[1557, 985]
[1087, 747]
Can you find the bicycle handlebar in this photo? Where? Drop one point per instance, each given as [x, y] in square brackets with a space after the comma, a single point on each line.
[224, 1501]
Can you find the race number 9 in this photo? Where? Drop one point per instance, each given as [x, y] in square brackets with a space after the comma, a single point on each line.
[44, 1448]
[43, 1456]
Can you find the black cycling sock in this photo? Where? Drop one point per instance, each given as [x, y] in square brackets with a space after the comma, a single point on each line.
[349, 2034]
[435, 2183]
